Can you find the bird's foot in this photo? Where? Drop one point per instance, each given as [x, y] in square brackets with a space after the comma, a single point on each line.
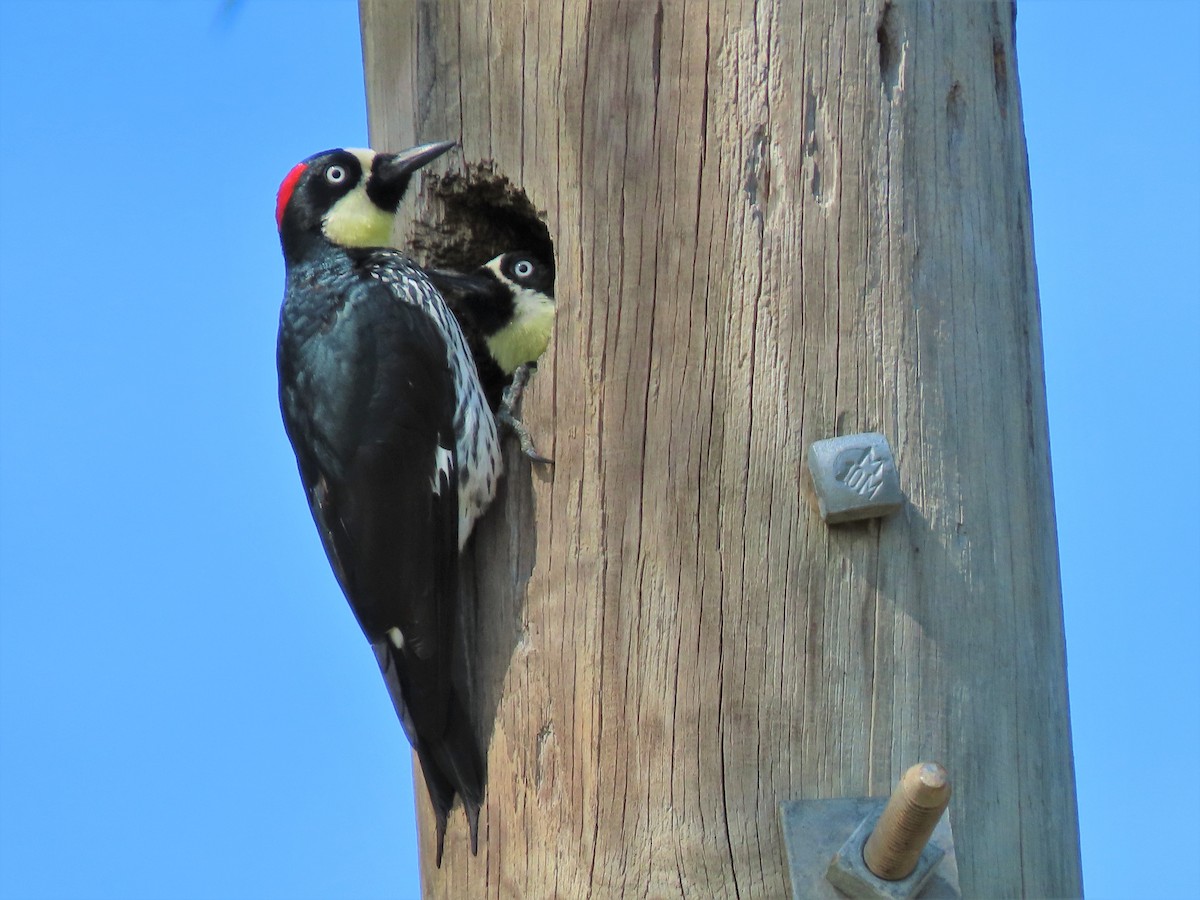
[507, 415]
[511, 397]
[517, 427]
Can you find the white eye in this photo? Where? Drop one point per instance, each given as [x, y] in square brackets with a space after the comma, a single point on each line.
[335, 174]
[522, 268]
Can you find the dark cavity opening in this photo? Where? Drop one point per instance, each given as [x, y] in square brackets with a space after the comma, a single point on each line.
[474, 216]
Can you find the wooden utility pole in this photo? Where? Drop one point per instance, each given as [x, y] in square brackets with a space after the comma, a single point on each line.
[774, 221]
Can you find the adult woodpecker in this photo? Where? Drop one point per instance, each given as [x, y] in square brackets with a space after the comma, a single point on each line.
[506, 310]
[396, 445]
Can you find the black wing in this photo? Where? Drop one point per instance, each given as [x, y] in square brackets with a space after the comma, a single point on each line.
[368, 402]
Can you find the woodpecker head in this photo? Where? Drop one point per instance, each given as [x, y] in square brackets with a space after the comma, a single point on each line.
[520, 312]
[508, 302]
[346, 197]
[523, 273]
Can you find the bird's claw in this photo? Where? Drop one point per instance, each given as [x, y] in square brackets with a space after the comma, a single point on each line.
[517, 427]
[507, 414]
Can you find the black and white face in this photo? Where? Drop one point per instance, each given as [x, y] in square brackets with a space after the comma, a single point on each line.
[528, 314]
[319, 186]
[349, 196]
[525, 271]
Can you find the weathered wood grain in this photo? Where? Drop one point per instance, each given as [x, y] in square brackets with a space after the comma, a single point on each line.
[774, 222]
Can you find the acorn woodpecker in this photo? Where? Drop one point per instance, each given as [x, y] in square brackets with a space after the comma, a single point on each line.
[396, 445]
[506, 310]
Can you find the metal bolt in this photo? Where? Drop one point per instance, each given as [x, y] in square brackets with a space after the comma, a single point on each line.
[855, 477]
[911, 814]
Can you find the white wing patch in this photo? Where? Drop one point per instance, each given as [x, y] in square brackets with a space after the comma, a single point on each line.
[443, 466]
[396, 638]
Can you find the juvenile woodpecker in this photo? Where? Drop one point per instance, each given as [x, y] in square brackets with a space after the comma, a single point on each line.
[396, 445]
[506, 309]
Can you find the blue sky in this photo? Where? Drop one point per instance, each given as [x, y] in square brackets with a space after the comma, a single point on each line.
[187, 710]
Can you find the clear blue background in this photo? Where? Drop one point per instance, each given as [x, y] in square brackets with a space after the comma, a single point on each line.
[186, 707]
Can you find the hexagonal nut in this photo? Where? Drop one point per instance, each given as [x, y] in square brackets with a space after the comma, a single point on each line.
[855, 477]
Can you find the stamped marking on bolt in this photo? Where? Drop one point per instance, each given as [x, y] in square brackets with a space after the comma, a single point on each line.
[855, 477]
[862, 471]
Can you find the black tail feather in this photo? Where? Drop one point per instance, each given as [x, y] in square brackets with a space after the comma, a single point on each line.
[452, 765]
[472, 811]
[450, 762]
[441, 796]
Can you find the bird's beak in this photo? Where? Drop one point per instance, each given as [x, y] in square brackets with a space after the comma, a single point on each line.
[390, 172]
[392, 167]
